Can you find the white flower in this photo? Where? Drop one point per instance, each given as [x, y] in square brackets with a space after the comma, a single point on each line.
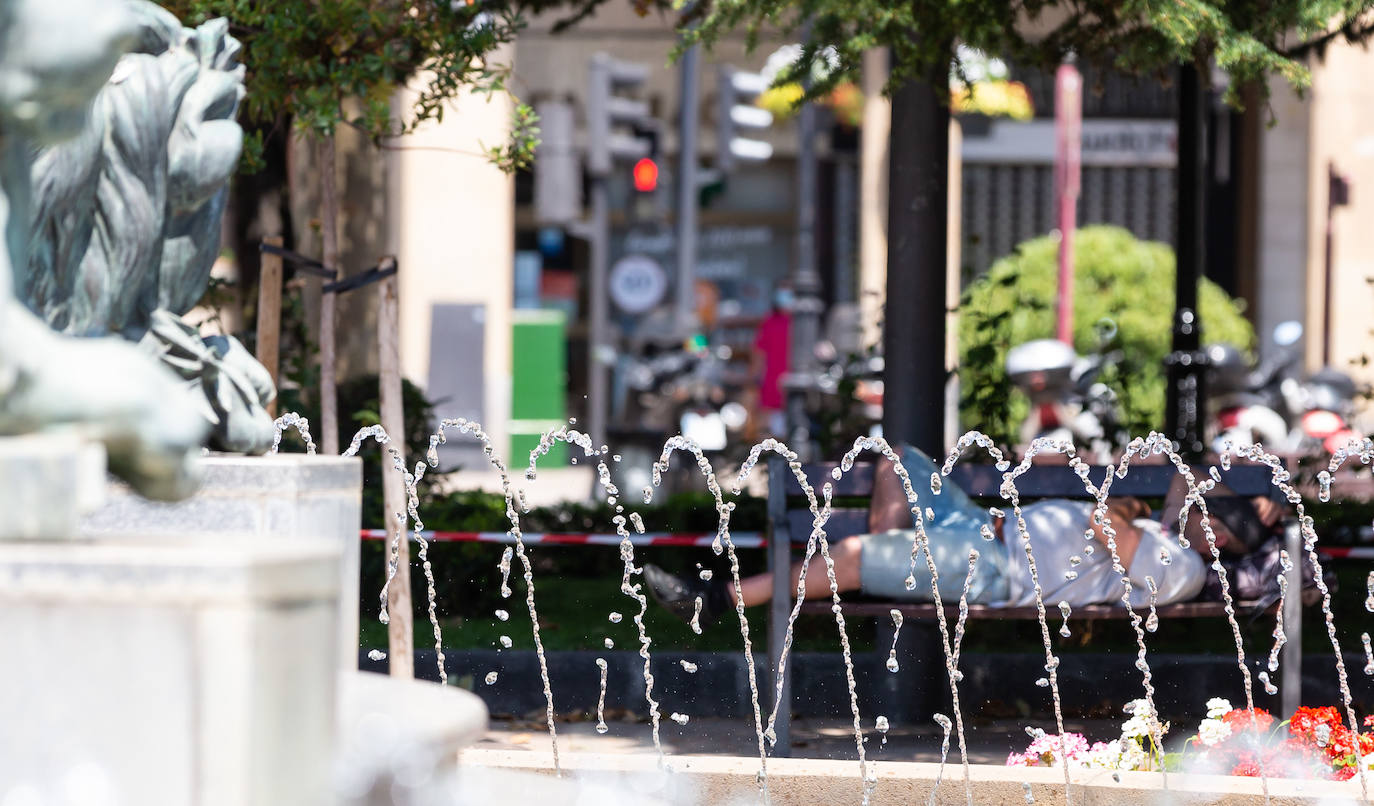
[1138, 726]
[1212, 731]
[1106, 755]
[1132, 757]
[1218, 707]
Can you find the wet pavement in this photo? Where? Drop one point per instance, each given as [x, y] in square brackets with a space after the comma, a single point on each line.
[989, 742]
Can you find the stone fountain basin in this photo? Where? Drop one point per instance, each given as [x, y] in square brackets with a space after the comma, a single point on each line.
[811, 782]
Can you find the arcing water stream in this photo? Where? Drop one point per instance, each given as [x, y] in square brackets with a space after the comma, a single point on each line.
[1153, 444]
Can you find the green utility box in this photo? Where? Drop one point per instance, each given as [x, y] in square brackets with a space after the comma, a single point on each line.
[539, 384]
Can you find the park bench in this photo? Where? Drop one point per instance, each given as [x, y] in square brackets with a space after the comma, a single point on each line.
[790, 522]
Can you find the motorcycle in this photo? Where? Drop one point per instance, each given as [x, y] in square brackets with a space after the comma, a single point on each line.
[1328, 401]
[1254, 405]
[1068, 401]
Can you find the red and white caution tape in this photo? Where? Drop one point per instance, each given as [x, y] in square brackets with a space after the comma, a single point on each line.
[743, 540]
[1350, 552]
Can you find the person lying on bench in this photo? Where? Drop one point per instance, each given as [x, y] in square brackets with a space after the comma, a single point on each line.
[1073, 563]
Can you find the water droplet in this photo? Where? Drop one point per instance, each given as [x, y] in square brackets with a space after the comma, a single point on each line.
[1027, 787]
[681, 719]
[996, 513]
[836, 473]
[910, 583]
[1088, 550]
[609, 643]
[505, 641]
[1368, 654]
[1152, 622]
[491, 678]
[1042, 682]
[376, 654]
[615, 617]
[1003, 465]
[706, 574]
[1070, 575]
[892, 665]
[1075, 561]
[880, 724]
[935, 483]
[688, 666]
[1165, 558]
[602, 727]
[504, 567]
[1214, 473]
[986, 532]
[930, 514]
[502, 615]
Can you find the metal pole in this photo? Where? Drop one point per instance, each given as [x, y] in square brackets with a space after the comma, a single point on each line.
[597, 311]
[689, 122]
[918, 231]
[1185, 378]
[806, 282]
[780, 606]
[1068, 117]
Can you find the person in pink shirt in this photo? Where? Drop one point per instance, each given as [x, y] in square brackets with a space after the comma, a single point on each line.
[771, 347]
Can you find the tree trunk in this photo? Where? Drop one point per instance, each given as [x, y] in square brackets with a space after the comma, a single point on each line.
[329, 220]
[917, 227]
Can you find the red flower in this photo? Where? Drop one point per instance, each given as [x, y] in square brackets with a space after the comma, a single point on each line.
[1343, 773]
[1240, 720]
[1306, 719]
[1247, 768]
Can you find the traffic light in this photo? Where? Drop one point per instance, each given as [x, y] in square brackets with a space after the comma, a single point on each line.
[646, 175]
[557, 167]
[735, 94]
[608, 112]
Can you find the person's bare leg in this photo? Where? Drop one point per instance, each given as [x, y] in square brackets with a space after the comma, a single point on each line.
[758, 589]
[888, 508]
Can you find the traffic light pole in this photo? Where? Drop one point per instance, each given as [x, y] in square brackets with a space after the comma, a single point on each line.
[597, 295]
[689, 123]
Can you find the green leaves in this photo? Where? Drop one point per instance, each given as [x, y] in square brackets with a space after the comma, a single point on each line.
[1248, 40]
[518, 152]
[304, 57]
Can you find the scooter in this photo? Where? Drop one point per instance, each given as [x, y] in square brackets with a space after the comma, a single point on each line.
[1328, 398]
[1068, 401]
[1256, 405]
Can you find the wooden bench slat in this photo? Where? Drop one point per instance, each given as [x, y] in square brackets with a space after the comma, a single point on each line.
[1040, 481]
[843, 523]
[925, 611]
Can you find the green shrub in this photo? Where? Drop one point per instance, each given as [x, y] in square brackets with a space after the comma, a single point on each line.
[1118, 277]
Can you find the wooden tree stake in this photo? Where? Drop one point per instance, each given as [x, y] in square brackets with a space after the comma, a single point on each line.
[401, 638]
[269, 314]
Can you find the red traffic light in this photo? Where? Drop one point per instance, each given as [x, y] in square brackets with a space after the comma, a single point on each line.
[646, 175]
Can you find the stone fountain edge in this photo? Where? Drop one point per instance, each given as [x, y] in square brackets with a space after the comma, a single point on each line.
[731, 779]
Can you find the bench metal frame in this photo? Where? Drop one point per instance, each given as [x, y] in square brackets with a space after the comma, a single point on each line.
[788, 524]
